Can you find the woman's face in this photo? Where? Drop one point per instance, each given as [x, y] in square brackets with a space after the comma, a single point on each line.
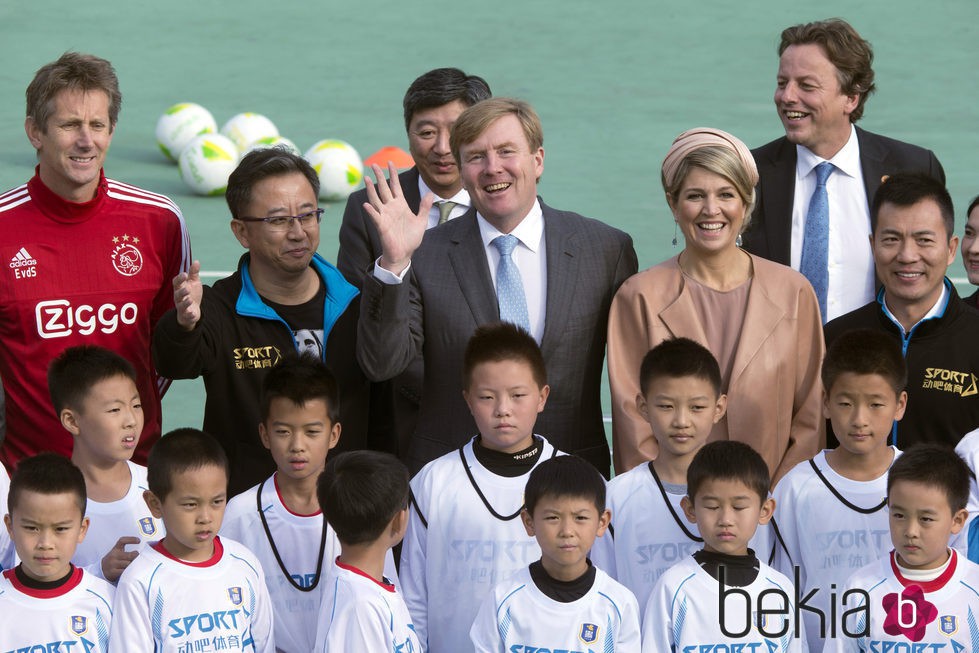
[709, 210]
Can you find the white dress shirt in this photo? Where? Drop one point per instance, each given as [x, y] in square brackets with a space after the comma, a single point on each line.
[529, 255]
[852, 281]
[461, 199]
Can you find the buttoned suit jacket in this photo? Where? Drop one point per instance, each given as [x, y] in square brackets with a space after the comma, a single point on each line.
[395, 402]
[448, 292]
[770, 232]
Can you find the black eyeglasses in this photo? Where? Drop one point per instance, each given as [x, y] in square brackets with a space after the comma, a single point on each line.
[284, 222]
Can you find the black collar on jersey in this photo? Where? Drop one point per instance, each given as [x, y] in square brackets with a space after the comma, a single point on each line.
[669, 506]
[465, 466]
[739, 571]
[33, 584]
[275, 549]
[509, 465]
[843, 500]
[562, 591]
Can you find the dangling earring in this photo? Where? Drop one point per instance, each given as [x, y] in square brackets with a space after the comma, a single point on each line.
[674, 234]
[738, 241]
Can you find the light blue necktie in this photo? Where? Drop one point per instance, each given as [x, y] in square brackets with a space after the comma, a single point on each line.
[815, 239]
[509, 285]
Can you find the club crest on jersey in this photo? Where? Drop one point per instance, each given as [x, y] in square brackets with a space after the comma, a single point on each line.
[588, 633]
[79, 624]
[948, 624]
[234, 593]
[147, 526]
[126, 258]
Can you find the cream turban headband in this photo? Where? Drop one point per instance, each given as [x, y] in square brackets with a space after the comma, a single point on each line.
[694, 139]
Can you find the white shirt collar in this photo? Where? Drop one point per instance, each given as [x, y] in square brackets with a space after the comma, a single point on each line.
[936, 310]
[529, 232]
[847, 160]
[461, 198]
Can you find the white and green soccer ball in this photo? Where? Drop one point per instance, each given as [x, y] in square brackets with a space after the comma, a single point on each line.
[246, 129]
[207, 162]
[272, 141]
[179, 125]
[340, 168]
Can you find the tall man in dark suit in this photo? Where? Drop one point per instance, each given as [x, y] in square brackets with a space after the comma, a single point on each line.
[428, 297]
[432, 104]
[824, 80]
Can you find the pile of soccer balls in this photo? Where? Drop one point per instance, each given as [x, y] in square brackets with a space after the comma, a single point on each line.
[187, 134]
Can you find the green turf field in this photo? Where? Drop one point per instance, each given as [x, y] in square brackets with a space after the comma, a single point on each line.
[613, 82]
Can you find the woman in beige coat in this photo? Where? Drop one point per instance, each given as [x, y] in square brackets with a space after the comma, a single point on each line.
[760, 319]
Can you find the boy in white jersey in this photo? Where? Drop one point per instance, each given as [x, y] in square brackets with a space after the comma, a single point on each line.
[680, 396]
[365, 497]
[723, 598]
[94, 393]
[47, 603]
[923, 596]
[465, 534]
[833, 508]
[192, 590]
[560, 602]
[280, 519]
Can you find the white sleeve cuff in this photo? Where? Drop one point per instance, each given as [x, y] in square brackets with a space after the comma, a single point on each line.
[388, 277]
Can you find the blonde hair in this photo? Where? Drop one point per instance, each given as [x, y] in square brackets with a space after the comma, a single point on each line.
[476, 119]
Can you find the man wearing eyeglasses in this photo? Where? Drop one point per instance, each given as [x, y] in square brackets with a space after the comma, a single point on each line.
[283, 299]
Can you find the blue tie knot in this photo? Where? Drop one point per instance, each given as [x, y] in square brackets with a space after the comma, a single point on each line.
[823, 171]
[505, 244]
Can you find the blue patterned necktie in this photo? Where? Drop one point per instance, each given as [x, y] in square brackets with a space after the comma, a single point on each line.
[509, 285]
[815, 239]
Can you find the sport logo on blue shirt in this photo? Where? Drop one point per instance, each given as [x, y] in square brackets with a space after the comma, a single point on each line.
[588, 633]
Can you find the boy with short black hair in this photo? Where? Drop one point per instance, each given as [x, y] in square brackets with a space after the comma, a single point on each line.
[364, 495]
[833, 508]
[280, 520]
[561, 600]
[465, 534]
[727, 497]
[680, 397]
[192, 590]
[94, 393]
[46, 602]
[922, 595]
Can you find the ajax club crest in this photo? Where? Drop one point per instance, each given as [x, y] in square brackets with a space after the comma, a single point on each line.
[126, 257]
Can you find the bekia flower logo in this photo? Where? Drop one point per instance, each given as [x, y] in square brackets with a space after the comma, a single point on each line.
[908, 614]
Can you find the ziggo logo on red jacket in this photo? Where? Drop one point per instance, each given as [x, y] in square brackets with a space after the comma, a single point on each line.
[57, 318]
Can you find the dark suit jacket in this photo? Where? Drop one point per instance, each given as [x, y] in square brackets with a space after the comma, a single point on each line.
[770, 232]
[451, 293]
[395, 402]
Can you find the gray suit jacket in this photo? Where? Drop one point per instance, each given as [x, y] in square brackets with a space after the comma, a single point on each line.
[451, 293]
[395, 402]
[770, 232]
